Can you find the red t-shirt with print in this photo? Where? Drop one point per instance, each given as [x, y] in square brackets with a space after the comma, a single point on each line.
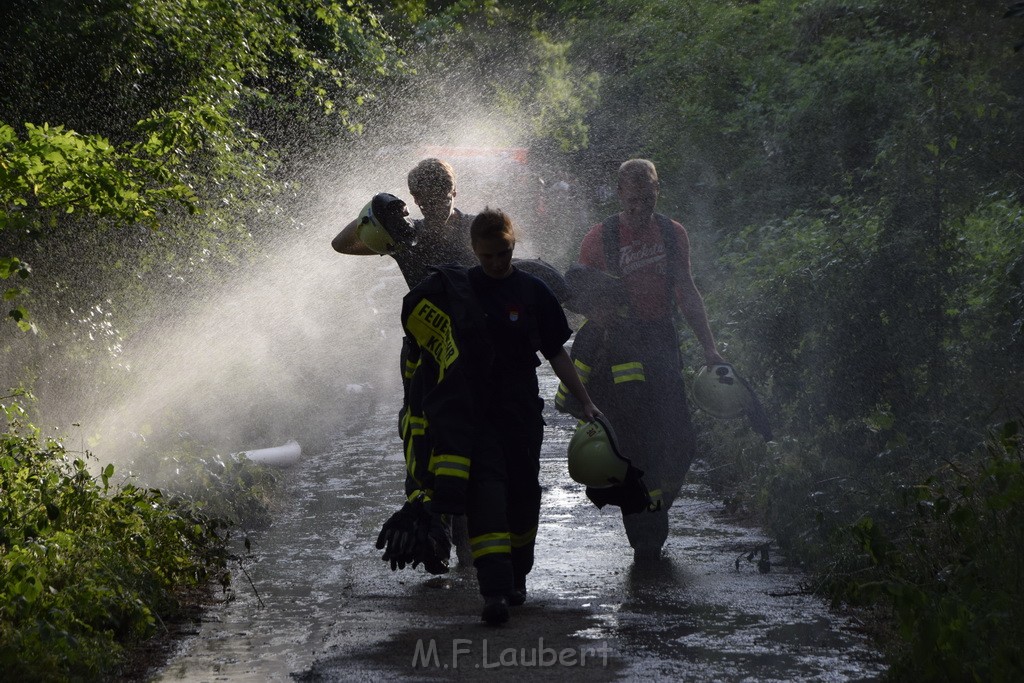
[642, 264]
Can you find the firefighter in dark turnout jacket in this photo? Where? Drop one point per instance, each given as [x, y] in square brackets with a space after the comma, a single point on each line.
[440, 237]
[474, 424]
[628, 354]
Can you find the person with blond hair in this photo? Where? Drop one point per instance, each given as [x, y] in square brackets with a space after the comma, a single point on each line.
[441, 236]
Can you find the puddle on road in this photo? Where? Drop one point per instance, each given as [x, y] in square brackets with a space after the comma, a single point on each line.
[333, 611]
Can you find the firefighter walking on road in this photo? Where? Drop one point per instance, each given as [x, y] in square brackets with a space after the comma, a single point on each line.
[474, 414]
[628, 351]
[440, 237]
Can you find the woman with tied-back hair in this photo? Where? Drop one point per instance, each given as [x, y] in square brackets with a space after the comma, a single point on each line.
[503, 507]
[478, 332]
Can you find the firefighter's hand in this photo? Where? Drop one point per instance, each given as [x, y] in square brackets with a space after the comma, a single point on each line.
[392, 214]
[398, 538]
[590, 411]
[433, 541]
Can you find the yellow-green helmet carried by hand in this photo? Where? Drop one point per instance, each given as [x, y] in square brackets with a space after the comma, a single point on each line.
[718, 391]
[383, 226]
[594, 459]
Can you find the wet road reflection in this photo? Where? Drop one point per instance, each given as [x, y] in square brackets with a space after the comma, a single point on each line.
[333, 611]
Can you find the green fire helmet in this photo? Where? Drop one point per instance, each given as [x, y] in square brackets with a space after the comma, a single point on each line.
[372, 233]
[594, 459]
[382, 224]
[720, 393]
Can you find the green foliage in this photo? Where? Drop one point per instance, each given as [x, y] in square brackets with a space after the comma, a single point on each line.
[14, 267]
[176, 126]
[553, 95]
[56, 169]
[992, 294]
[230, 488]
[949, 567]
[504, 58]
[87, 567]
[850, 175]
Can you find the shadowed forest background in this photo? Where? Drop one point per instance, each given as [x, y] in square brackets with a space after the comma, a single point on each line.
[172, 171]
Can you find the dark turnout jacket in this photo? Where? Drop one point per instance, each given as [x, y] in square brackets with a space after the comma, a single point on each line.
[450, 356]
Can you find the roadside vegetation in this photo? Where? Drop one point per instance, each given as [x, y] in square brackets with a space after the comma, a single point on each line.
[851, 176]
[88, 567]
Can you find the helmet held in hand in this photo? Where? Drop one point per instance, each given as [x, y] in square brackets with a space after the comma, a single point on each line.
[718, 391]
[594, 458]
[383, 225]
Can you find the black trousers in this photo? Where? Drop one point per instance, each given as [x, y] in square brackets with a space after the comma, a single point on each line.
[503, 505]
[652, 421]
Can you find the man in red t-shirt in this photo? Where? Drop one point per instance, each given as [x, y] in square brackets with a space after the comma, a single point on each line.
[638, 349]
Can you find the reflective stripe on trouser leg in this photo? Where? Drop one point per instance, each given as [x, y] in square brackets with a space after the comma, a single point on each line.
[492, 557]
[523, 546]
[523, 520]
[525, 539]
[488, 544]
[628, 372]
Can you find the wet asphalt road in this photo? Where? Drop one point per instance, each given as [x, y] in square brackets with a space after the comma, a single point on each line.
[325, 608]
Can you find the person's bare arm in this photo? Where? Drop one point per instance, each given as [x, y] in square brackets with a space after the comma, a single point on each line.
[347, 241]
[566, 371]
[691, 304]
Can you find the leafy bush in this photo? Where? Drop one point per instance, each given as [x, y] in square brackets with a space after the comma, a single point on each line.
[231, 488]
[951, 567]
[87, 568]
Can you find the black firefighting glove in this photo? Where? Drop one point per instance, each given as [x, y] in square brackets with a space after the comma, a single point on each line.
[397, 537]
[433, 541]
[391, 213]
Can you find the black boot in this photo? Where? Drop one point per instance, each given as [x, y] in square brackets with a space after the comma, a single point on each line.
[495, 610]
[518, 596]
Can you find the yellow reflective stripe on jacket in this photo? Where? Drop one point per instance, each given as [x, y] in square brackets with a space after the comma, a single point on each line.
[520, 540]
[628, 372]
[410, 458]
[418, 494]
[488, 544]
[410, 368]
[432, 329]
[449, 466]
[413, 425]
